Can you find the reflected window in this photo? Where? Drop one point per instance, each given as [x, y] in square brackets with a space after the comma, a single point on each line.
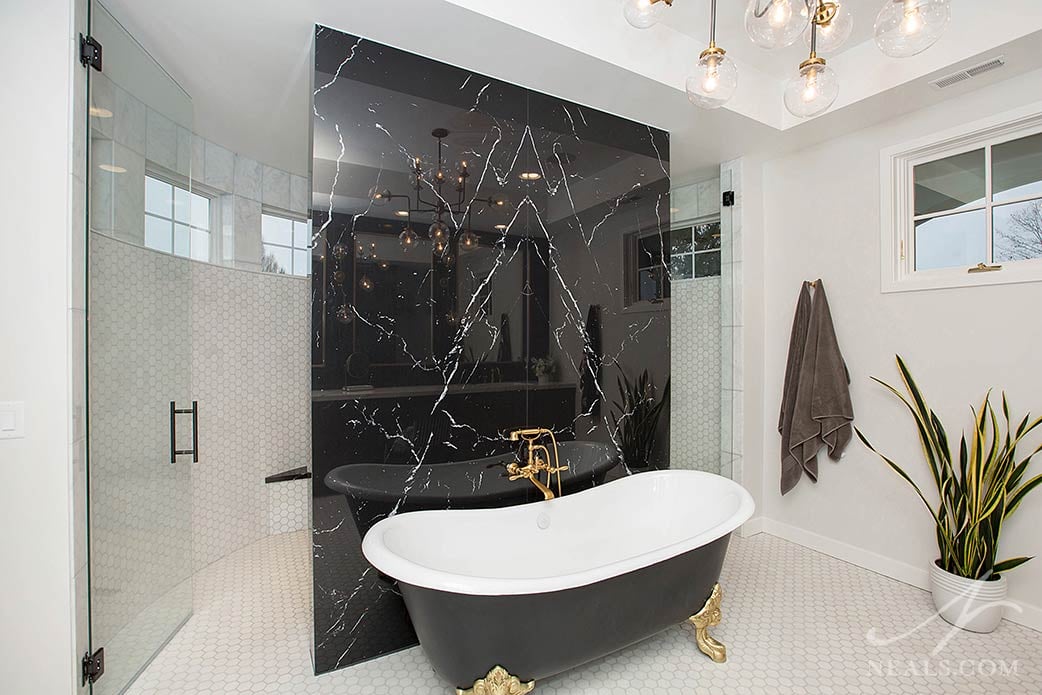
[980, 206]
[177, 220]
[287, 245]
[647, 263]
[695, 251]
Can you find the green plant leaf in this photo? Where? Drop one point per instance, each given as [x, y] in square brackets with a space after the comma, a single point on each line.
[1007, 565]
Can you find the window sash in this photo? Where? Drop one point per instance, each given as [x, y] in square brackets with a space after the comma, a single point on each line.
[988, 206]
[897, 183]
[172, 221]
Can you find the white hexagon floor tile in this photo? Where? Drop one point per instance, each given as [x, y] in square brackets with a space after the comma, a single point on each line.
[795, 621]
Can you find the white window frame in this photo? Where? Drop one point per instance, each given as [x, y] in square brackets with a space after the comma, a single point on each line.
[191, 186]
[294, 217]
[897, 203]
[719, 250]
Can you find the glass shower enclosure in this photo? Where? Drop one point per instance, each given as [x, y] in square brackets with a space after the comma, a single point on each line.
[142, 435]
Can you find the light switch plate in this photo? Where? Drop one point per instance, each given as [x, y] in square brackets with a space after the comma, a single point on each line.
[12, 420]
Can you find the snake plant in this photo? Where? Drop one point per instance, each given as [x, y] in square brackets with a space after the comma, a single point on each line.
[979, 489]
[636, 421]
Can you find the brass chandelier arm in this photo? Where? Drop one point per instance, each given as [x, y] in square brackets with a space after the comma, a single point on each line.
[824, 13]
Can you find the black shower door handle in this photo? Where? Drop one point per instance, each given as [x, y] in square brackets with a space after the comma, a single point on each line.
[174, 412]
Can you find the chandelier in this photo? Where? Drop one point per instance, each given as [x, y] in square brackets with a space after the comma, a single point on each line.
[446, 202]
[902, 28]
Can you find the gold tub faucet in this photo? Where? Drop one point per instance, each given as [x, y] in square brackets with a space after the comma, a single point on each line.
[538, 460]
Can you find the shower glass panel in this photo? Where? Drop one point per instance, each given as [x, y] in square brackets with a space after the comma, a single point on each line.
[145, 226]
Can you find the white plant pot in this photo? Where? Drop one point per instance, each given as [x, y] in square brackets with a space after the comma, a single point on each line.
[971, 604]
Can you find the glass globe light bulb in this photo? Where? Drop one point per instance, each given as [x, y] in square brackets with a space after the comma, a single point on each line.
[779, 14]
[812, 91]
[407, 238]
[714, 81]
[438, 230]
[904, 28]
[468, 239]
[773, 23]
[379, 196]
[643, 13]
[835, 32]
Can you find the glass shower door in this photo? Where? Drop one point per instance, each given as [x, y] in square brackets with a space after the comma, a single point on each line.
[139, 355]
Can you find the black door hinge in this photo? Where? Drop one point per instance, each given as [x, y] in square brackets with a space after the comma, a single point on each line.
[93, 666]
[728, 200]
[90, 52]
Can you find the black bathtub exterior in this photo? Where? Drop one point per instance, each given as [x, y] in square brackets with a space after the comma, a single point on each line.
[373, 491]
[534, 636]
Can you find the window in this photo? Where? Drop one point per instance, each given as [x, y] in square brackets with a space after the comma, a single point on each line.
[177, 220]
[966, 210]
[695, 251]
[287, 245]
[647, 258]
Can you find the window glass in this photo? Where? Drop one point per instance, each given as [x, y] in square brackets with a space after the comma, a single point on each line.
[950, 183]
[276, 230]
[158, 234]
[287, 245]
[649, 251]
[706, 265]
[1018, 231]
[182, 240]
[1016, 168]
[649, 285]
[707, 236]
[200, 216]
[200, 245]
[302, 234]
[301, 262]
[277, 259]
[951, 240]
[157, 197]
[680, 240]
[176, 221]
[680, 266]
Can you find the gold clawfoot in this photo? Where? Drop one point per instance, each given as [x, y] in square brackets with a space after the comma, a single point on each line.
[703, 620]
[498, 682]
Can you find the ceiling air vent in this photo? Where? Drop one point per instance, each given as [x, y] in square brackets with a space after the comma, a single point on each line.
[969, 73]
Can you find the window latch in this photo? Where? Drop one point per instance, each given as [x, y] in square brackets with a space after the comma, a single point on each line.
[984, 268]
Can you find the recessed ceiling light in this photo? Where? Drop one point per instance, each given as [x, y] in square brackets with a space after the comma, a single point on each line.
[112, 168]
[501, 227]
[99, 112]
[674, 209]
[402, 213]
[530, 176]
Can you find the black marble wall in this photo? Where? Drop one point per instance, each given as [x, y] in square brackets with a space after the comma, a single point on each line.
[429, 340]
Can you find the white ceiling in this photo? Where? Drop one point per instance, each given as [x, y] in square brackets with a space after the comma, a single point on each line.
[247, 64]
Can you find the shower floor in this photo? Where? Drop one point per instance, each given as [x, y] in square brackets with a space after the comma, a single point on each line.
[795, 621]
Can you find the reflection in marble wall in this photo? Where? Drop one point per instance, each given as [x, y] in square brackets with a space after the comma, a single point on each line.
[451, 308]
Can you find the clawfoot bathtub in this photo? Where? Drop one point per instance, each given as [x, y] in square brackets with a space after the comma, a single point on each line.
[503, 597]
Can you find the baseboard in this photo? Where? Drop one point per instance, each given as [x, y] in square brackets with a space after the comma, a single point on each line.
[919, 577]
[751, 527]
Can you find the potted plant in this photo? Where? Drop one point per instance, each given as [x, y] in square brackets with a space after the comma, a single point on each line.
[977, 489]
[636, 418]
[545, 369]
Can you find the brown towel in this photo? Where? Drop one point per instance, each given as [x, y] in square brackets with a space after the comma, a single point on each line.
[816, 408]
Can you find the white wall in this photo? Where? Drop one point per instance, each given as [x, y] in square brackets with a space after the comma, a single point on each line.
[41, 348]
[958, 342]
